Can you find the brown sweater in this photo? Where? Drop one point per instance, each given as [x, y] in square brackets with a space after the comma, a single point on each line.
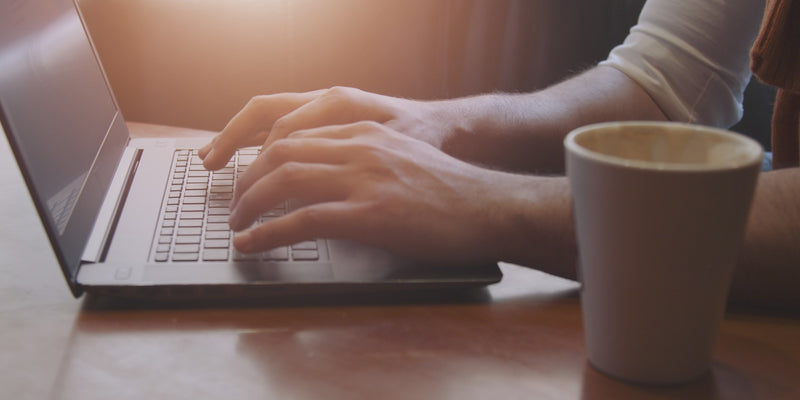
[775, 60]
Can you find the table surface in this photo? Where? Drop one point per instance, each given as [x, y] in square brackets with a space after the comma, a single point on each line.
[520, 338]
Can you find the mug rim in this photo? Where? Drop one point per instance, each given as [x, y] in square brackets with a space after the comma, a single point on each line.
[753, 155]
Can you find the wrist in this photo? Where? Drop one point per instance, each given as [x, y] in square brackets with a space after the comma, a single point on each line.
[469, 125]
[534, 226]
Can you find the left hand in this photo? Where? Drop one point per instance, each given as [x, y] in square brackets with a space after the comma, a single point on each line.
[369, 183]
[268, 118]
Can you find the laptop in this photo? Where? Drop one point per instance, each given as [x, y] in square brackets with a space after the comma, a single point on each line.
[140, 217]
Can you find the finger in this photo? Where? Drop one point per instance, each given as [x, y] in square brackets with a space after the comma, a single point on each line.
[308, 183]
[336, 106]
[324, 220]
[249, 126]
[203, 151]
[256, 140]
[316, 150]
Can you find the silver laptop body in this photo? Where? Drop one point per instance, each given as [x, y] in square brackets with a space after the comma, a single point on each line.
[101, 195]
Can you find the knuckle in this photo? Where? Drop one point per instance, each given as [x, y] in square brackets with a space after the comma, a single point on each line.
[291, 172]
[281, 127]
[338, 91]
[338, 96]
[369, 126]
[370, 159]
[310, 217]
[257, 101]
[279, 151]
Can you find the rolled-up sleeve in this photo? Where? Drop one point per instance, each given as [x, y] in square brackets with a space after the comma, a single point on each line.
[692, 57]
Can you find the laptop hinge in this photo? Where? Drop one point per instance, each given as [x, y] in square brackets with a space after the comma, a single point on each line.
[111, 208]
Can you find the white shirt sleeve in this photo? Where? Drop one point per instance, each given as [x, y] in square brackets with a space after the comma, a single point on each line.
[692, 56]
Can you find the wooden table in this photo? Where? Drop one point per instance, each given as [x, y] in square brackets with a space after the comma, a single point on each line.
[519, 339]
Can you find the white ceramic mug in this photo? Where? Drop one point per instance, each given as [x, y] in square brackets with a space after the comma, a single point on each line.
[660, 212]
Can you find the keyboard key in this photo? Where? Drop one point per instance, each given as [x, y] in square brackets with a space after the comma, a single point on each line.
[220, 203]
[189, 231]
[305, 255]
[276, 254]
[238, 256]
[186, 248]
[194, 200]
[215, 255]
[194, 193]
[219, 211]
[196, 186]
[216, 235]
[161, 257]
[216, 244]
[193, 207]
[187, 240]
[185, 257]
[218, 227]
[192, 215]
[221, 189]
[308, 245]
[191, 223]
[217, 219]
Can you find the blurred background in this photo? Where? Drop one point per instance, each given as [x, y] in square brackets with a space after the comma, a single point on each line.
[195, 63]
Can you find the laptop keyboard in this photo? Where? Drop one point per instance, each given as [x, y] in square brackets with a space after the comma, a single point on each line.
[193, 225]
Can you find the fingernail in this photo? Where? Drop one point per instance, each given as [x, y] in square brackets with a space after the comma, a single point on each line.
[243, 241]
[203, 151]
[207, 159]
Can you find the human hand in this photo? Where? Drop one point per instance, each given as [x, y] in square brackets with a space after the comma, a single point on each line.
[268, 118]
[368, 183]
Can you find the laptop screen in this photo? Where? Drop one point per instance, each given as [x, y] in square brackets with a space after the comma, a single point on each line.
[58, 113]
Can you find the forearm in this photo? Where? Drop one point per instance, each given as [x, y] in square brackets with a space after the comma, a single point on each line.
[768, 273]
[524, 132]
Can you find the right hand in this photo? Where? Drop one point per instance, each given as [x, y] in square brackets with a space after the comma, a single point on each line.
[268, 118]
[369, 183]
